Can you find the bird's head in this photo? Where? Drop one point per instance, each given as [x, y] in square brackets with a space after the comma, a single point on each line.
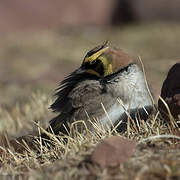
[103, 61]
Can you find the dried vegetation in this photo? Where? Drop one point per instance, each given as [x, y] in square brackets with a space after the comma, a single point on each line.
[157, 151]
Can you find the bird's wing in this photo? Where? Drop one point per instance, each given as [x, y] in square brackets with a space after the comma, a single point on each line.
[82, 102]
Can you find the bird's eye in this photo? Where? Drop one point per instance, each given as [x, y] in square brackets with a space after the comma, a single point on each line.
[93, 62]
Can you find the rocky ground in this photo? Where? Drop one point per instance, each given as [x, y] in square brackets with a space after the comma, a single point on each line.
[31, 67]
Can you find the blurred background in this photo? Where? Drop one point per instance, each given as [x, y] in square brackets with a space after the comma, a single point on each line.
[41, 41]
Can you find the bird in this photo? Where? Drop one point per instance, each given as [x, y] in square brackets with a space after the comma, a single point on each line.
[108, 88]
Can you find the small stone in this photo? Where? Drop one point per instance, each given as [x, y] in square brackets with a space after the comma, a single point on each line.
[113, 151]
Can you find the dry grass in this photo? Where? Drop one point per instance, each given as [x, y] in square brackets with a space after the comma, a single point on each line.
[157, 154]
[37, 62]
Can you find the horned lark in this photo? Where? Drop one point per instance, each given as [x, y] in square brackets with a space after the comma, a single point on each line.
[108, 88]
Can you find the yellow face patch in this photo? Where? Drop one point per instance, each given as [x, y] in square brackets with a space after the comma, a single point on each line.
[99, 63]
[95, 55]
[91, 71]
[108, 70]
[107, 65]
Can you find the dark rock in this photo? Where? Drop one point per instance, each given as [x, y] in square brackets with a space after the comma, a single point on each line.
[170, 92]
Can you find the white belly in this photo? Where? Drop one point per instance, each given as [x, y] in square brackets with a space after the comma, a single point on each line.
[114, 115]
